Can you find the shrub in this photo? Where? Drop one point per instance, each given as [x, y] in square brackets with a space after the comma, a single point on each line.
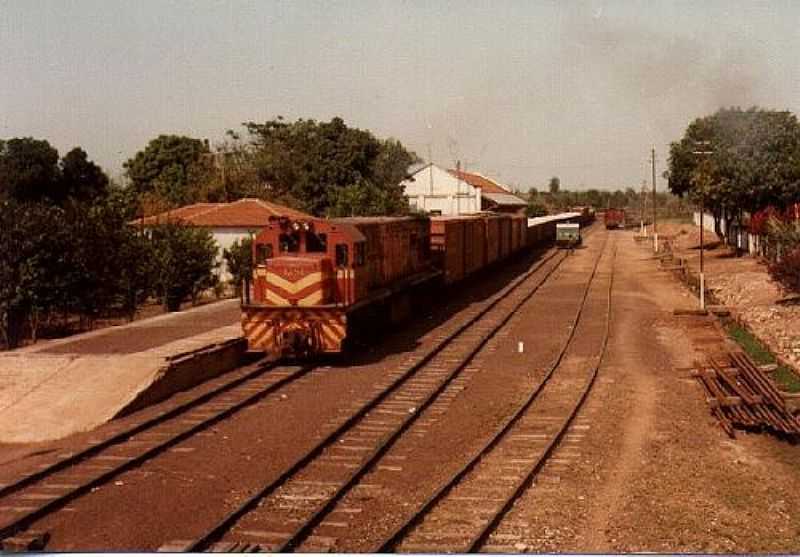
[786, 270]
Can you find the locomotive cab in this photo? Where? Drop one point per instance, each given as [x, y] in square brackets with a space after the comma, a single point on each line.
[304, 270]
[307, 263]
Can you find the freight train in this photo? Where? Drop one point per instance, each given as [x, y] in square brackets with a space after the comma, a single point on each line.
[315, 280]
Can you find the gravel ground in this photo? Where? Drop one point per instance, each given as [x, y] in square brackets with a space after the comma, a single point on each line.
[647, 468]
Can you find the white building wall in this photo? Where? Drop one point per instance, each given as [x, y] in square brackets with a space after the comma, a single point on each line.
[225, 238]
[435, 189]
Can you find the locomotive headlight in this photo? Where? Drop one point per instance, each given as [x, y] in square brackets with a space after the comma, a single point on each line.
[296, 226]
[307, 226]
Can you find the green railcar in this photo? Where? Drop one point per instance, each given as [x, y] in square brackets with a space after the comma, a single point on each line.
[568, 235]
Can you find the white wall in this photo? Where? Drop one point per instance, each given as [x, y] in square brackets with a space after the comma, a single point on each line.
[225, 238]
[448, 195]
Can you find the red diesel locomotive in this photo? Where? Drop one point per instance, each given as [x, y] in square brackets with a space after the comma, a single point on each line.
[311, 275]
[314, 279]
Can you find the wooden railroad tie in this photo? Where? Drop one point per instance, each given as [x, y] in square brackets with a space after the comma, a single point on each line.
[741, 395]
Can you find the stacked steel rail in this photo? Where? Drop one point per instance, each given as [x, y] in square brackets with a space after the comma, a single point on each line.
[741, 395]
[380, 418]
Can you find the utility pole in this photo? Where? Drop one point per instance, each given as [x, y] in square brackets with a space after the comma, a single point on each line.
[655, 229]
[704, 151]
[643, 199]
[458, 187]
[430, 167]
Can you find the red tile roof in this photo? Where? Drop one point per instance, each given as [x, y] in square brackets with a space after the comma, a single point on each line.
[478, 181]
[238, 214]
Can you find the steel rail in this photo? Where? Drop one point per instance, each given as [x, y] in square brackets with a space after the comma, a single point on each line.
[220, 529]
[60, 500]
[389, 542]
[480, 539]
[124, 435]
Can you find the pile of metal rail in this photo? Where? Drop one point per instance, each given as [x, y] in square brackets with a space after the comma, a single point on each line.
[741, 395]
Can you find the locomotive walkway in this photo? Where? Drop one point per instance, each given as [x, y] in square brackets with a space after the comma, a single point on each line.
[56, 388]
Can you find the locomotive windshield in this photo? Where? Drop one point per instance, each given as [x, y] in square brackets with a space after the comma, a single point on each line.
[316, 243]
[289, 243]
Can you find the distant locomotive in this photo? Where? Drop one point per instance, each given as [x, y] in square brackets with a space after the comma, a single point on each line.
[614, 218]
[315, 279]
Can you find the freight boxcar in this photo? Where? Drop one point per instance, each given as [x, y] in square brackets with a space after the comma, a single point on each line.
[492, 238]
[449, 241]
[474, 244]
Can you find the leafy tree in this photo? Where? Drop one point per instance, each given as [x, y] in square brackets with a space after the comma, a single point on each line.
[535, 208]
[28, 170]
[365, 198]
[80, 178]
[737, 160]
[32, 262]
[108, 262]
[239, 260]
[184, 262]
[555, 185]
[328, 167]
[170, 166]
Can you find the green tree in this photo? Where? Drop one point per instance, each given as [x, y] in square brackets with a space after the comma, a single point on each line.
[171, 167]
[28, 170]
[365, 198]
[184, 262]
[307, 164]
[738, 160]
[82, 179]
[535, 208]
[555, 185]
[33, 260]
[239, 261]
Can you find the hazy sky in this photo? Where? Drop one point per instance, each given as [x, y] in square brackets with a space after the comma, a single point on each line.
[518, 90]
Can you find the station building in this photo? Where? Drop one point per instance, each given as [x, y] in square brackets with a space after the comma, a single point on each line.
[441, 191]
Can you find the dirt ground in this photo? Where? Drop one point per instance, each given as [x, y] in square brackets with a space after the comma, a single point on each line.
[742, 284]
[647, 467]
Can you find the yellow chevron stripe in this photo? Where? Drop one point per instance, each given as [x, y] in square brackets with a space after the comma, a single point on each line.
[313, 299]
[276, 299]
[293, 287]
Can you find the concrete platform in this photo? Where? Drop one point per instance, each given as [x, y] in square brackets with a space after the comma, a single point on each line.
[55, 388]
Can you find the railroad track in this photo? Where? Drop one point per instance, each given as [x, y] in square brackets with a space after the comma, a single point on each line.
[145, 435]
[138, 439]
[463, 513]
[298, 497]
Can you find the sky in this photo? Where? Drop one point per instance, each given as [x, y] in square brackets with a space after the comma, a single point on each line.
[520, 91]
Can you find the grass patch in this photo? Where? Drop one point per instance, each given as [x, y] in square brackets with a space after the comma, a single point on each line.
[786, 378]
